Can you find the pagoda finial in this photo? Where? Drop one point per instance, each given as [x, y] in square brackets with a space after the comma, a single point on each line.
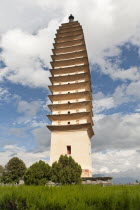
[71, 18]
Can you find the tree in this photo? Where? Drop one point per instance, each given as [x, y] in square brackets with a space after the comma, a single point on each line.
[1, 169]
[14, 170]
[1, 172]
[66, 171]
[38, 174]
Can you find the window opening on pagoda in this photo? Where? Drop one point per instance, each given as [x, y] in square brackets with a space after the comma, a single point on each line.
[68, 102]
[68, 92]
[68, 150]
[68, 112]
[68, 123]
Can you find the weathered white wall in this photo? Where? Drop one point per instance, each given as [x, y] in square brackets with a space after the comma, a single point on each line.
[65, 122]
[80, 147]
[70, 100]
[71, 111]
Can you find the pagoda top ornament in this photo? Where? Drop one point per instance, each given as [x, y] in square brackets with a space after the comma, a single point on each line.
[71, 18]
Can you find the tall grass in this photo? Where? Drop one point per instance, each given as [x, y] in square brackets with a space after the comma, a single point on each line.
[75, 197]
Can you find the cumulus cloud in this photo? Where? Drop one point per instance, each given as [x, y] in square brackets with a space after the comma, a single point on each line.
[133, 89]
[26, 55]
[121, 163]
[28, 110]
[4, 94]
[102, 102]
[27, 156]
[42, 137]
[107, 25]
[116, 145]
[117, 132]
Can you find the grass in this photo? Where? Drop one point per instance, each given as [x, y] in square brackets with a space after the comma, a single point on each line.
[75, 197]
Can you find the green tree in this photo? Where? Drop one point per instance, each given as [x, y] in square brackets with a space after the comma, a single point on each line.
[1, 169]
[38, 174]
[1, 172]
[66, 171]
[14, 170]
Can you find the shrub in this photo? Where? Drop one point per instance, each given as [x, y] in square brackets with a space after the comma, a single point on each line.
[13, 171]
[66, 171]
[38, 174]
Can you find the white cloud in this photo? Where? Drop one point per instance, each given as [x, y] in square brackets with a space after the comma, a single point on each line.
[103, 104]
[117, 131]
[28, 108]
[27, 156]
[42, 137]
[28, 111]
[117, 163]
[25, 56]
[107, 24]
[116, 145]
[4, 94]
[132, 74]
[133, 89]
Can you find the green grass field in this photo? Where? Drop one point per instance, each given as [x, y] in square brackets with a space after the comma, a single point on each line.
[75, 197]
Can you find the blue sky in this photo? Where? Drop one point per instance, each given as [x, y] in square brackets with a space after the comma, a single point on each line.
[112, 35]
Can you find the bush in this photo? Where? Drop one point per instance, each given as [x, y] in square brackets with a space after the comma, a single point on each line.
[38, 174]
[13, 171]
[66, 171]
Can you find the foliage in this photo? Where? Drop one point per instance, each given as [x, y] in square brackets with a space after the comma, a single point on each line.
[38, 174]
[1, 169]
[66, 171]
[70, 197]
[1, 172]
[14, 171]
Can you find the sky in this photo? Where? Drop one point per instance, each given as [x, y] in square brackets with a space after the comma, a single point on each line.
[112, 34]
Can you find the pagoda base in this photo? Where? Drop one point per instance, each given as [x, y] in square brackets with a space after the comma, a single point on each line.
[104, 181]
[75, 143]
[86, 173]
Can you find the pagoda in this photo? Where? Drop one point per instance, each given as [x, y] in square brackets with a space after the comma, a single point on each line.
[71, 107]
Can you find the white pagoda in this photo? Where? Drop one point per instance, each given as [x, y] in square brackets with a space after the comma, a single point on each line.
[71, 117]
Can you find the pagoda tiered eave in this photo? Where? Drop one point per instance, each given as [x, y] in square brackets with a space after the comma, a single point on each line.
[71, 116]
[69, 49]
[69, 43]
[78, 95]
[69, 87]
[73, 55]
[71, 62]
[69, 70]
[85, 126]
[70, 33]
[67, 106]
[66, 30]
[70, 78]
[68, 38]
[65, 25]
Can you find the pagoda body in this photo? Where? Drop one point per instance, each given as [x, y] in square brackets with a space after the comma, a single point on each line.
[71, 117]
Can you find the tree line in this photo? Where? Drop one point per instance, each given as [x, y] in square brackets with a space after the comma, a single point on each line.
[63, 171]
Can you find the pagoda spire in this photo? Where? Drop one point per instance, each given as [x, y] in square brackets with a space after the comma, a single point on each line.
[71, 18]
